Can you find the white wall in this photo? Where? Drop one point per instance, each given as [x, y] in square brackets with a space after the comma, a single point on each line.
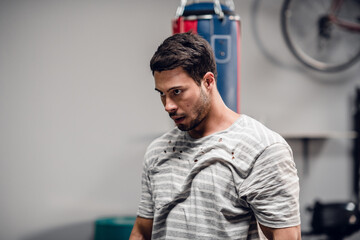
[77, 109]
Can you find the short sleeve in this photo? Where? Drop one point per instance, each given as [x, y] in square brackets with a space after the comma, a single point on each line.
[272, 188]
[146, 206]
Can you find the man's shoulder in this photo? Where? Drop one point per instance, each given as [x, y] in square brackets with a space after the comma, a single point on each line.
[158, 144]
[253, 138]
[171, 135]
[263, 135]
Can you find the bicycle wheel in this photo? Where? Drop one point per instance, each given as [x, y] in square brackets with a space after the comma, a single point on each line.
[314, 40]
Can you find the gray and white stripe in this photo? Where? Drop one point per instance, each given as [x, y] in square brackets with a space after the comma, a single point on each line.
[219, 186]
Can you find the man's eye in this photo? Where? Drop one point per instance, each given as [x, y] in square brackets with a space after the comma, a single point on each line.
[161, 94]
[177, 91]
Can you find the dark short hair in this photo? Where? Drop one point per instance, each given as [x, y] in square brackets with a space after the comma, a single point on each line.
[187, 50]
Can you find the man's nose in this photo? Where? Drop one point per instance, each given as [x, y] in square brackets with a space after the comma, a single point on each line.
[169, 105]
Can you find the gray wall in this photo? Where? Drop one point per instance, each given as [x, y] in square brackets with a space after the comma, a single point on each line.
[77, 109]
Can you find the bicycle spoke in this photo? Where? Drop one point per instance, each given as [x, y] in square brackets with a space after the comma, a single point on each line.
[315, 39]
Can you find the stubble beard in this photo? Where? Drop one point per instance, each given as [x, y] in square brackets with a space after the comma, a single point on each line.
[200, 112]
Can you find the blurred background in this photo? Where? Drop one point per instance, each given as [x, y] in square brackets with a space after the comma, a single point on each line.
[78, 109]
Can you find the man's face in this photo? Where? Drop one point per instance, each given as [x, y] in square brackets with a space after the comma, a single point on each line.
[186, 102]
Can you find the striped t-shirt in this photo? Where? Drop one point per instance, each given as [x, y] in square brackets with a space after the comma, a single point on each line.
[221, 185]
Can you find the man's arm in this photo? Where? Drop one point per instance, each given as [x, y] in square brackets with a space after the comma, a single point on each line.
[290, 233]
[142, 229]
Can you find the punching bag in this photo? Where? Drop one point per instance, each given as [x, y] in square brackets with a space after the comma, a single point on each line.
[221, 27]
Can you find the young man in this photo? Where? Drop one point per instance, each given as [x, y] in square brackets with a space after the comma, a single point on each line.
[218, 174]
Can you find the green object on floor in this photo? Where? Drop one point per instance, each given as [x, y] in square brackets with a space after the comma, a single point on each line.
[114, 228]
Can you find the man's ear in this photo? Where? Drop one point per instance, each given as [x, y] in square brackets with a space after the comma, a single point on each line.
[209, 80]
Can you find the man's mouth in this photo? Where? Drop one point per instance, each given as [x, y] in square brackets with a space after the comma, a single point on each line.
[177, 119]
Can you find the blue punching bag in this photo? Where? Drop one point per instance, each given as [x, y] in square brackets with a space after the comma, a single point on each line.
[221, 27]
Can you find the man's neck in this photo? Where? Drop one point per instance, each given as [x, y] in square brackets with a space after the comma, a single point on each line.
[219, 118]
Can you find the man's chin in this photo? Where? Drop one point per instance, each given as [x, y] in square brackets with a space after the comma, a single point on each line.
[182, 127]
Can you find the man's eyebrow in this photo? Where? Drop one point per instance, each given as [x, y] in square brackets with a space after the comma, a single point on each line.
[172, 88]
